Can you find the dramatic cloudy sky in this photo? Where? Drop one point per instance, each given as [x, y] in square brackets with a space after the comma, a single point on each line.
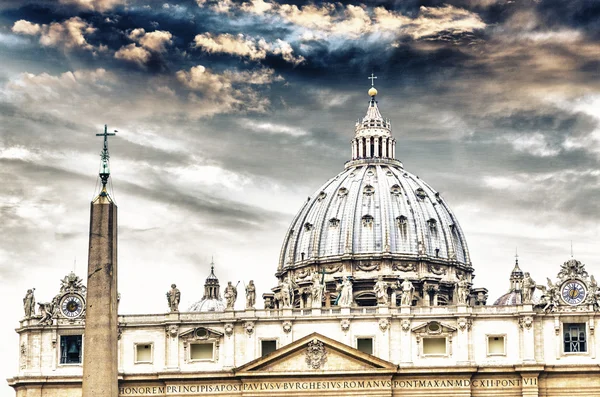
[231, 113]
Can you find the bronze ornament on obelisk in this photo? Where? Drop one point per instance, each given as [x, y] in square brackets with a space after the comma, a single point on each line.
[100, 366]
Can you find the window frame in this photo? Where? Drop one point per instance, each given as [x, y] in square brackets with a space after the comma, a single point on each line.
[197, 360]
[261, 340]
[447, 348]
[372, 337]
[59, 350]
[487, 345]
[564, 328]
[135, 352]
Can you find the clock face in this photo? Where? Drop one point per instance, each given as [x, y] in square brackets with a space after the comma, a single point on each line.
[573, 292]
[72, 306]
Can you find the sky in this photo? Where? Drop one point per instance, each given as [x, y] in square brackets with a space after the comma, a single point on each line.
[229, 114]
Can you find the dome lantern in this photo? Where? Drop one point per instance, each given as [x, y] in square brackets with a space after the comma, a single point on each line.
[373, 134]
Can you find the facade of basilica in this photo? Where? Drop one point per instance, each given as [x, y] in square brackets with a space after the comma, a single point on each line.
[374, 297]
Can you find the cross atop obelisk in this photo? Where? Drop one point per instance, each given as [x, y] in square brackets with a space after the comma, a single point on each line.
[104, 167]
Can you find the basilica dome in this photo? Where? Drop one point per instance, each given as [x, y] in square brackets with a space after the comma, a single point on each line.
[376, 218]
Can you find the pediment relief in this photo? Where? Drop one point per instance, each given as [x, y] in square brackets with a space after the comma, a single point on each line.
[201, 333]
[433, 328]
[315, 353]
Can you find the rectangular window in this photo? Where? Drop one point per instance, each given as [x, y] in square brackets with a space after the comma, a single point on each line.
[496, 346]
[365, 345]
[434, 346]
[70, 349]
[201, 351]
[267, 346]
[143, 353]
[574, 338]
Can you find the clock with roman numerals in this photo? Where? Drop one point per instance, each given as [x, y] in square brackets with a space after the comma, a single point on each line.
[573, 292]
[71, 306]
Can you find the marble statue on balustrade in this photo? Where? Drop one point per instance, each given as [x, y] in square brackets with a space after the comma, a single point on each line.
[250, 295]
[173, 298]
[46, 310]
[287, 293]
[462, 290]
[408, 289]
[381, 291]
[528, 287]
[29, 304]
[316, 291]
[346, 295]
[230, 295]
[550, 297]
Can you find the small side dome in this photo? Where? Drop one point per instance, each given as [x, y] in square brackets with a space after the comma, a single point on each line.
[208, 305]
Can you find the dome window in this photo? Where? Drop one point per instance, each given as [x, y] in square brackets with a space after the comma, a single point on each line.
[401, 220]
[334, 222]
[432, 224]
[420, 193]
[321, 196]
[308, 226]
[342, 192]
[395, 190]
[368, 190]
[367, 220]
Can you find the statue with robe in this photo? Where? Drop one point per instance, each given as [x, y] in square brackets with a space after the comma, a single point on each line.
[316, 291]
[346, 295]
[250, 295]
[407, 292]
[528, 287]
[230, 295]
[29, 304]
[173, 298]
[381, 291]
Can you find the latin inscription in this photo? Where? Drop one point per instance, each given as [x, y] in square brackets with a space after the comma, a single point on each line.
[491, 383]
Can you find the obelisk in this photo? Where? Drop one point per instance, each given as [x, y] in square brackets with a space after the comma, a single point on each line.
[100, 366]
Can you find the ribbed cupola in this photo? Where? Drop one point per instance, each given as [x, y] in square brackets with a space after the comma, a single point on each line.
[211, 285]
[373, 134]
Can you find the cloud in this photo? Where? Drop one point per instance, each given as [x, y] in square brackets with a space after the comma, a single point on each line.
[93, 5]
[534, 144]
[202, 79]
[272, 128]
[435, 20]
[68, 34]
[245, 46]
[149, 42]
[156, 40]
[133, 53]
[26, 27]
[354, 22]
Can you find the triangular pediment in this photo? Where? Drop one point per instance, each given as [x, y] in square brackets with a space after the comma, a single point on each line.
[201, 333]
[315, 353]
[433, 328]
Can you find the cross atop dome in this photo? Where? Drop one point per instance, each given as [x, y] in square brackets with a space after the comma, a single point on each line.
[372, 90]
